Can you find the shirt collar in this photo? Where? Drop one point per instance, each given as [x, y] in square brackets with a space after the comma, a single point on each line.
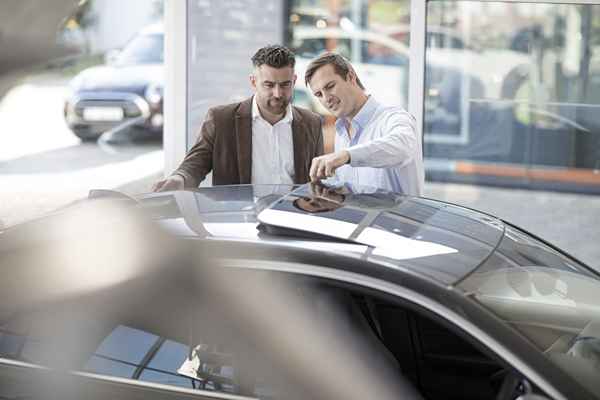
[288, 117]
[361, 118]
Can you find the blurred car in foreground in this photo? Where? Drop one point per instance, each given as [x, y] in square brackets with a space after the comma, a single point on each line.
[291, 292]
[124, 94]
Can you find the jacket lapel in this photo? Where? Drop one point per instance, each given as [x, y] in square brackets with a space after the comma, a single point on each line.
[243, 133]
[299, 132]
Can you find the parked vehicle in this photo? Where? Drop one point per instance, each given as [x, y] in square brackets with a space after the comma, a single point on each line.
[274, 291]
[382, 64]
[124, 94]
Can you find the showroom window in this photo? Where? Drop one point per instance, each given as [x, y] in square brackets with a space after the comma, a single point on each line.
[373, 35]
[518, 103]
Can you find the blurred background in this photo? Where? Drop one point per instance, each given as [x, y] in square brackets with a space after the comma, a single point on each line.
[510, 103]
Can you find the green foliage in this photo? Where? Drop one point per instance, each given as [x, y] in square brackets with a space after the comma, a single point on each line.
[389, 11]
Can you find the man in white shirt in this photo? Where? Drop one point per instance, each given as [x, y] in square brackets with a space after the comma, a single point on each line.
[263, 139]
[375, 145]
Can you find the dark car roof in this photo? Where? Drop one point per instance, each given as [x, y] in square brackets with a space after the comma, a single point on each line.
[438, 240]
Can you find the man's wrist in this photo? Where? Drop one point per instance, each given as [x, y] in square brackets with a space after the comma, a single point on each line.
[348, 156]
[179, 174]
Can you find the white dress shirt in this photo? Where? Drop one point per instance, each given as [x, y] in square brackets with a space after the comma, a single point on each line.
[385, 150]
[272, 149]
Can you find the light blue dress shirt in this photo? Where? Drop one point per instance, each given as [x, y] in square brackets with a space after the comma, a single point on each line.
[385, 150]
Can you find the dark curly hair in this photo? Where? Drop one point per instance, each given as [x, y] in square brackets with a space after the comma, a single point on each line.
[275, 56]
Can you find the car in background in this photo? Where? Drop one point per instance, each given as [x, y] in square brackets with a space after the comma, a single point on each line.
[437, 36]
[280, 291]
[125, 94]
[382, 63]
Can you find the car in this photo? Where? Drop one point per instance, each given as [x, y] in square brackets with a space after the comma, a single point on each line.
[382, 64]
[281, 291]
[437, 36]
[125, 94]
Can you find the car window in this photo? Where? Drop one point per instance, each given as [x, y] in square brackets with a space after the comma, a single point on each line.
[136, 354]
[548, 297]
[10, 344]
[143, 49]
[127, 345]
[316, 337]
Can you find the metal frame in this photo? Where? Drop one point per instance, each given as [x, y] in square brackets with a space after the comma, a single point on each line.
[416, 75]
[175, 105]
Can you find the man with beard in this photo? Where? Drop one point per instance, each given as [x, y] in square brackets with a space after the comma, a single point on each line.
[263, 139]
[375, 145]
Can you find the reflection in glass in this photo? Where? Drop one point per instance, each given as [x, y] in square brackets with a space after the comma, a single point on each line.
[373, 35]
[517, 103]
[166, 379]
[10, 345]
[169, 356]
[548, 297]
[143, 49]
[126, 344]
[103, 366]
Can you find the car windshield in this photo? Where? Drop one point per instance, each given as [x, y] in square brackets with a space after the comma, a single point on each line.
[548, 297]
[143, 49]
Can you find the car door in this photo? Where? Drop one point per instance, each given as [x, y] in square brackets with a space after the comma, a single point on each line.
[246, 325]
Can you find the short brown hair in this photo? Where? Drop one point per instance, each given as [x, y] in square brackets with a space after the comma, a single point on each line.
[275, 56]
[341, 66]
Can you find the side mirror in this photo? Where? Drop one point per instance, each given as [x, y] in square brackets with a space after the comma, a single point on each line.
[110, 57]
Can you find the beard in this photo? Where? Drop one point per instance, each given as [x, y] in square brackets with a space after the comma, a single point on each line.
[278, 106]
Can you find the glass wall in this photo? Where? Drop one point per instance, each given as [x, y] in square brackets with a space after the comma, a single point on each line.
[373, 35]
[81, 101]
[511, 103]
[222, 37]
[512, 94]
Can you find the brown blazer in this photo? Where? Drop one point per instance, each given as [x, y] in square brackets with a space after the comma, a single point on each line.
[225, 145]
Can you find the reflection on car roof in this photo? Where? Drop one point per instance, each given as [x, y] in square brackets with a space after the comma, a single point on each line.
[430, 237]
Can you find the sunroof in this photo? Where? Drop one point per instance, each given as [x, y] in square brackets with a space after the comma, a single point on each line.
[397, 227]
[325, 213]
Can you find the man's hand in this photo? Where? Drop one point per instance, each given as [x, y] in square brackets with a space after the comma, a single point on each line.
[174, 182]
[324, 166]
[334, 194]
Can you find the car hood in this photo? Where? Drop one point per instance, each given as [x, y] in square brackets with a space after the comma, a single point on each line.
[114, 78]
[441, 240]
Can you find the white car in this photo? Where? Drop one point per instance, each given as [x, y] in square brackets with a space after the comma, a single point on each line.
[382, 63]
